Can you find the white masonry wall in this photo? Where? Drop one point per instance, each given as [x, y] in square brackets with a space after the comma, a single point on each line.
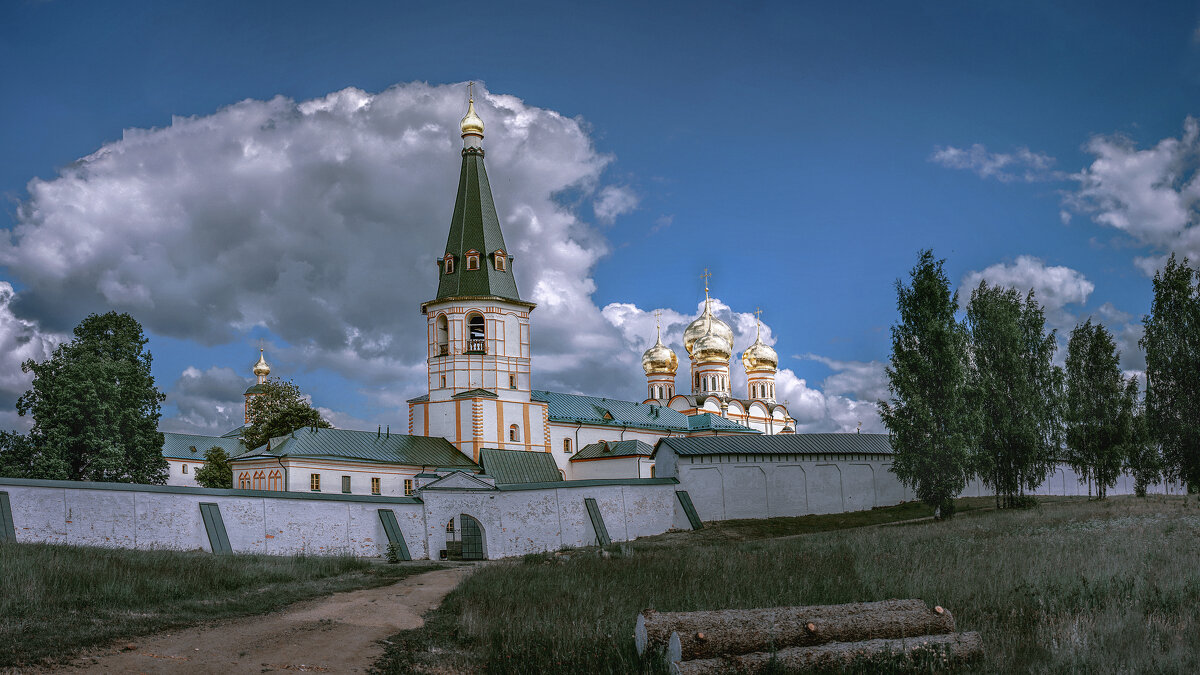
[749, 486]
[162, 517]
[520, 521]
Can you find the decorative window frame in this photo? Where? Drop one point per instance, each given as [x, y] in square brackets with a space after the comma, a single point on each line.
[448, 264]
[500, 261]
[472, 260]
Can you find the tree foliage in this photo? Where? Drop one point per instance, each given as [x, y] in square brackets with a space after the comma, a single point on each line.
[216, 472]
[1016, 390]
[17, 456]
[927, 417]
[1172, 344]
[95, 407]
[277, 410]
[1098, 410]
[1143, 460]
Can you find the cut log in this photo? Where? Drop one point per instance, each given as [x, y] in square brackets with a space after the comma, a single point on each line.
[742, 631]
[955, 647]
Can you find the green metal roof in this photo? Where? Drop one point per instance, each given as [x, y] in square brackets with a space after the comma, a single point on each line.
[365, 446]
[256, 389]
[519, 466]
[782, 444]
[475, 226]
[609, 449]
[573, 408]
[234, 433]
[590, 482]
[193, 446]
[714, 422]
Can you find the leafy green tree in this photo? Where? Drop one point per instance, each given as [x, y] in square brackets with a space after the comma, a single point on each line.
[278, 410]
[17, 456]
[1172, 344]
[1098, 410]
[926, 416]
[1142, 458]
[1017, 391]
[216, 472]
[95, 407]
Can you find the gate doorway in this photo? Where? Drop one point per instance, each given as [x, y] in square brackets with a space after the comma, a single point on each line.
[472, 538]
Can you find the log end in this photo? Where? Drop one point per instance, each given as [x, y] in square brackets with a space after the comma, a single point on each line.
[674, 649]
[640, 638]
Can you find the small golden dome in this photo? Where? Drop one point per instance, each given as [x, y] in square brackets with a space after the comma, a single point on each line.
[712, 347]
[660, 359]
[759, 356]
[471, 123]
[261, 368]
[704, 324]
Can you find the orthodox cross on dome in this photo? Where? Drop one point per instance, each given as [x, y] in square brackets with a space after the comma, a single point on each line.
[658, 323]
[471, 91]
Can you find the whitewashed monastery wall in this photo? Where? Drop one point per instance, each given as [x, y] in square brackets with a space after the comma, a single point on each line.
[515, 520]
[746, 486]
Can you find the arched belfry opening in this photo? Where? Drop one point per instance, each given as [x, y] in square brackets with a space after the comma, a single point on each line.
[442, 335]
[476, 335]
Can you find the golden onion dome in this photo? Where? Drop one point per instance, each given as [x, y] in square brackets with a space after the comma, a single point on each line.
[759, 356]
[660, 359]
[712, 347]
[261, 368]
[706, 323]
[471, 123]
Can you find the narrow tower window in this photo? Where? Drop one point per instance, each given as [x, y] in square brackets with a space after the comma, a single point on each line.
[441, 333]
[501, 261]
[514, 433]
[448, 264]
[472, 260]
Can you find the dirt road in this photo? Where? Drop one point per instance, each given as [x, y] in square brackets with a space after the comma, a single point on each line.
[337, 634]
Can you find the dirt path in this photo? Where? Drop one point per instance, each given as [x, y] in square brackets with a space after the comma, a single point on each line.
[337, 634]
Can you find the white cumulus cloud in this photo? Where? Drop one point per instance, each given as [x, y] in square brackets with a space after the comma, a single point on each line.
[1054, 286]
[1021, 165]
[1152, 194]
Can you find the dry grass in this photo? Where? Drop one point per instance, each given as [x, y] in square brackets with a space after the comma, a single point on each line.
[1068, 586]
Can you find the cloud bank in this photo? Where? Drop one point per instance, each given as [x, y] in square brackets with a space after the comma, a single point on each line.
[319, 221]
[1022, 165]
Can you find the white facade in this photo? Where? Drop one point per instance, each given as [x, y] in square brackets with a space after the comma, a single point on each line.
[182, 472]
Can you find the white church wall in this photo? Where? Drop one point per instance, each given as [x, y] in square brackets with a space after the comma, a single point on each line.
[165, 517]
[176, 475]
[586, 435]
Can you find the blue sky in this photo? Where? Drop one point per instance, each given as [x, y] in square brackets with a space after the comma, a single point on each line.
[804, 152]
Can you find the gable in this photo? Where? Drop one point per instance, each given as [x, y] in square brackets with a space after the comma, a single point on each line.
[459, 481]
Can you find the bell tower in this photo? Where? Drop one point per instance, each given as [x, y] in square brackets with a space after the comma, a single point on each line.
[478, 362]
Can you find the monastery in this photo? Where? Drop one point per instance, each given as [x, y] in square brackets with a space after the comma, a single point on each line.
[491, 467]
[480, 387]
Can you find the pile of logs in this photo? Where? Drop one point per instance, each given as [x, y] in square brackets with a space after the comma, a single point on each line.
[802, 638]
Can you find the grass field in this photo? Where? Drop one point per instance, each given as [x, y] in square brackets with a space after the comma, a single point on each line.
[56, 600]
[1068, 586]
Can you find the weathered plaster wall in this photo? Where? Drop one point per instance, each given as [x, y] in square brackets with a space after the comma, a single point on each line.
[520, 521]
[740, 486]
[161, 517]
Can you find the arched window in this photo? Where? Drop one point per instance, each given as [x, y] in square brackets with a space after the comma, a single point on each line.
[441, 335]
[476, 335]
[500, 260]
[472, 260]
[514, 433]
[448, 264]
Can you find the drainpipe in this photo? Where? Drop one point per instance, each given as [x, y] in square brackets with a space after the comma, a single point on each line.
[285, 473]
[623, 428]
[577, 426]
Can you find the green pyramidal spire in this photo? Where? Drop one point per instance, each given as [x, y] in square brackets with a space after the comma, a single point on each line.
[476, 263]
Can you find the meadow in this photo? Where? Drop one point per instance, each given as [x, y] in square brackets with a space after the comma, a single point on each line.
[1070, 585]
[56, 600]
